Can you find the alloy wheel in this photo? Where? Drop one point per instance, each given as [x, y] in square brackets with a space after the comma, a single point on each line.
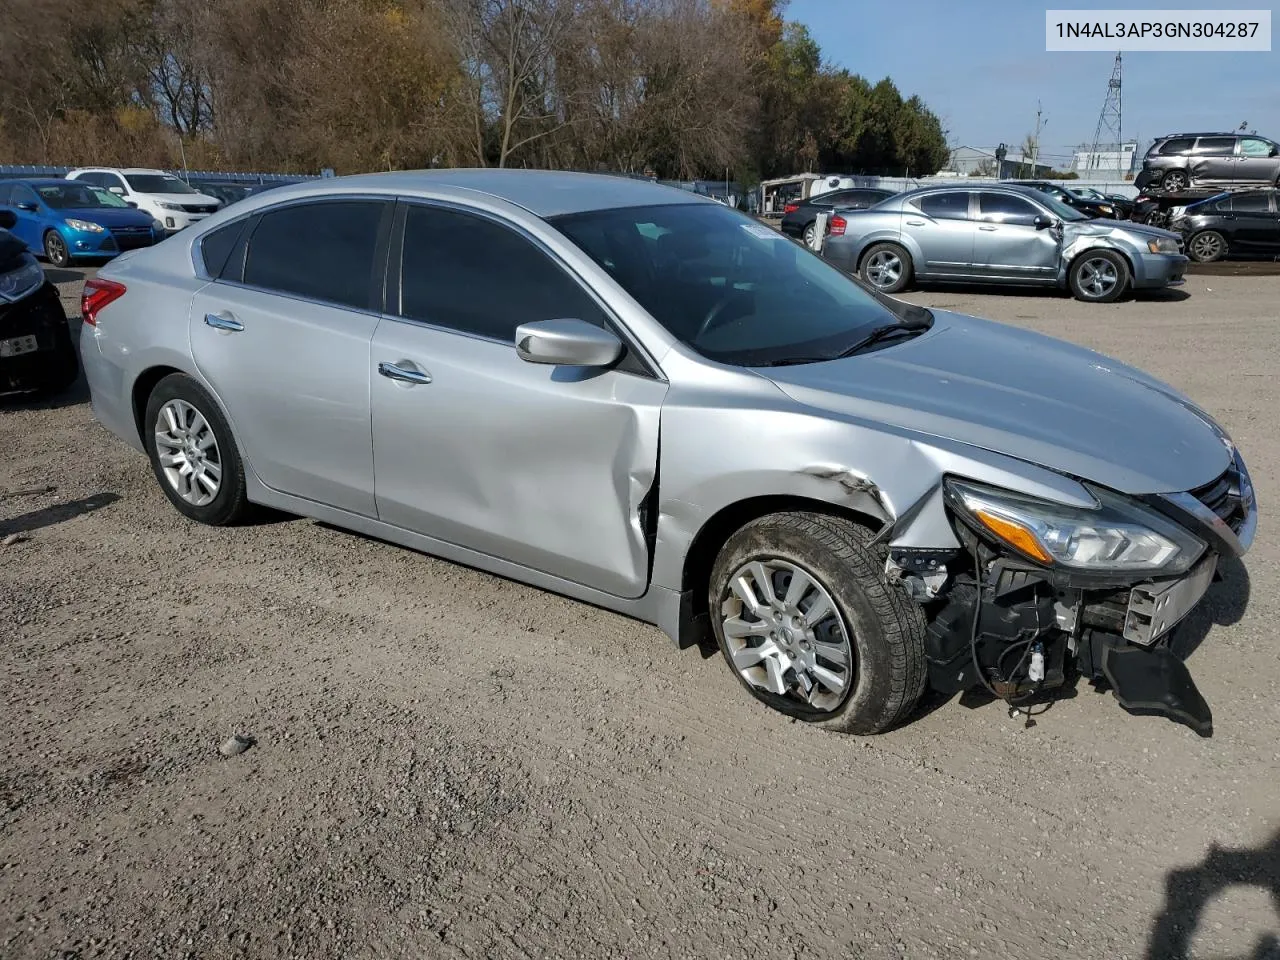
[1174, 181]
[785, 634]
[1098, 277]
[884, 268]
[188, 452]
[55, 249]
[1206, 247]
[808, 235]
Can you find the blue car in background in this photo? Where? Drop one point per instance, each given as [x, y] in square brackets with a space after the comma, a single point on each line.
[67, 220]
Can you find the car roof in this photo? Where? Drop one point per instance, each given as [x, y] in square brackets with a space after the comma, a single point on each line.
[1204, 133]
[544, 193]
[39, 181]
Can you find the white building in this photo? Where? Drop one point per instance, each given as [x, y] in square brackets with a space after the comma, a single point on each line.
[1111, 159]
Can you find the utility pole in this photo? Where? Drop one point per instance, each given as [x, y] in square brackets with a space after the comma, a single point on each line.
[1035, 146]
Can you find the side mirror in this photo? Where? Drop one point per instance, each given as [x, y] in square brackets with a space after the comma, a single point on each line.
[1275, 152]
[570, 343]
[26, 205]
[132, 204]
[118, 191]
[8, 219]
[1041, 222]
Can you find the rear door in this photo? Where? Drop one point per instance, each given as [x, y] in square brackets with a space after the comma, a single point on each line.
[284, 335]
[944, 229]
[1213, 164]
[1255, 227]
[1256, 163]
[1008, 245]
[548, 467]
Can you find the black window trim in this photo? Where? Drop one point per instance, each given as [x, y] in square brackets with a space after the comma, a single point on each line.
[393, 290]
[971, 210]
[254, 217]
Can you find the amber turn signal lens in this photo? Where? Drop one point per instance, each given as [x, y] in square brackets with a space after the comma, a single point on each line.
[1016, 535]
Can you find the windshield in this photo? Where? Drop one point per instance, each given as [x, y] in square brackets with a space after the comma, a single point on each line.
[156, 183]
[72, 196]
[725, 284]
[107, 198]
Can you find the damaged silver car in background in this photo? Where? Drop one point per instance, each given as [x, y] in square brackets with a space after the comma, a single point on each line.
[1007, 235]
[645, 400]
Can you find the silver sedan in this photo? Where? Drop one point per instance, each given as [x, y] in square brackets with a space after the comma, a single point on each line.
[648, 401]
[1001, 234]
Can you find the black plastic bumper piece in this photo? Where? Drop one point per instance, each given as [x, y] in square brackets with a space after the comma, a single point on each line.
[1156, 681]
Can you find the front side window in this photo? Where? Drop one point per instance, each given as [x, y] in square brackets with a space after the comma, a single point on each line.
[1254, 147]
[1216, 146]
[470, 274]
[1251, 203]
[321, 251]
[72, 195]
[726, 285]
[1006, 208]
[156, 183]
[23, 194]
[952, 205]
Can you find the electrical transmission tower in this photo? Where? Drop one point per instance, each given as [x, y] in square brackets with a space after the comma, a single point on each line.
[1108, 129]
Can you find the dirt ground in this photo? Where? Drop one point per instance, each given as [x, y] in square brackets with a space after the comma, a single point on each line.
[452, 765]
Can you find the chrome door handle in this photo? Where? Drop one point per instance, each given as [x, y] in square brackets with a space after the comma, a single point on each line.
[392, 372]
[915, 223]
[223, 323]
[986, 228]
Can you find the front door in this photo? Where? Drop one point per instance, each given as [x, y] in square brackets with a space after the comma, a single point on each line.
[1256, 163]
[1008, 245]
[943, 231]
[547, 467]
[284, 340]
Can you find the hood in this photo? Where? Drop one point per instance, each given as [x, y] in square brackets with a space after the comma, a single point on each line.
[195, 199]
[108, 216]
[1026, 396]
[1102, 228]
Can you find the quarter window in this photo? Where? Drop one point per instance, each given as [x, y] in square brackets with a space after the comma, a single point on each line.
[953, 205]
[470, 274]
[1006, 208]
[216, 248]
[1216, 146]
[322, 251]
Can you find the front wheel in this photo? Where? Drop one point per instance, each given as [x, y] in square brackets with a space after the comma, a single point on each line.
[810, 626]
[55, 249]
[887, 267]
[1099, 276]
[1207, 247]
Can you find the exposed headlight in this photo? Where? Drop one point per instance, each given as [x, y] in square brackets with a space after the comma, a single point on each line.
[1107, 210]
[1163, 245]
[171, 206]
[1117, 536]
[84, 226]
[18, 283]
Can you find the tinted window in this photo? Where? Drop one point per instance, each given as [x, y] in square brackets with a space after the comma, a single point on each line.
[1216, 146]
[157, 183]
[1177, 145]
[89, 178]
[1006, 208]
[1251, 203]
[70, 195]
[323, 251]
[1253, 147]
[470, 274]
[945, 206]
[23, 194]
[109, 180]
[216, 247]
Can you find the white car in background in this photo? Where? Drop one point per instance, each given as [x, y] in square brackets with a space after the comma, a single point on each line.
[160, 194]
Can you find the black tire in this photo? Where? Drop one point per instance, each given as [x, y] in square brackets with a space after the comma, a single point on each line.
[867, 269]
[885, 628]
[1175, 181]
[230, 506]
[807, 234]
[55, 249]
[1078, 276]
[1207, 246]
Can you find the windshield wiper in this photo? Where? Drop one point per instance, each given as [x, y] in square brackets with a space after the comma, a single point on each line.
[875, 336]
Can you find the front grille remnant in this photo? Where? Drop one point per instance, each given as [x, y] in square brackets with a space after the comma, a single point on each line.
[1222, 496]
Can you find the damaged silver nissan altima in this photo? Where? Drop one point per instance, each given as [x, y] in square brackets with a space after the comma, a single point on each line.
[648, 401]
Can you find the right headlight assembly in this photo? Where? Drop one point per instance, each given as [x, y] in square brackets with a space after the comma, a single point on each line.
[1119, 535]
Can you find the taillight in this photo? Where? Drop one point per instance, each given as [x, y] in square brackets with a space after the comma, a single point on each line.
[791, 208]
[97, 294]
[837, 226]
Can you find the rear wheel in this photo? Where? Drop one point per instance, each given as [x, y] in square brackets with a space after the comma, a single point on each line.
[809, 234]
[193, 454]
[887, 267]
[1175, 181]
[55, 249]
[810, 626]
[1207, 246]
[1099, 276]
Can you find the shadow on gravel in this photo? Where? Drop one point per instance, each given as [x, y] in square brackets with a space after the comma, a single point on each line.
[48, 516]
[1188, 892]
[77, 394]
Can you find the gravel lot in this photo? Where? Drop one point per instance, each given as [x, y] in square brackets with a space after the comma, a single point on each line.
[451, 765]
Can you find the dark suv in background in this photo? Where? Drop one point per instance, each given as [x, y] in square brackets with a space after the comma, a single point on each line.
[1188, 160]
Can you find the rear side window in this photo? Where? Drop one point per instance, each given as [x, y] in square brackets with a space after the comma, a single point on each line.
[322, 251]
[945, 206]
[1215, 146]
[216, 247]
[1177, 145]
[470, 274]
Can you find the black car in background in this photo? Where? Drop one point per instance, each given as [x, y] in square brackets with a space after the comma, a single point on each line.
[36, 350]
[229, 191]
[1123, 205]
[799, 216]
[1090, 207]
[1244, 224]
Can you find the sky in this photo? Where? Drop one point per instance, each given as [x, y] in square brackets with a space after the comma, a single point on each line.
[981, 65]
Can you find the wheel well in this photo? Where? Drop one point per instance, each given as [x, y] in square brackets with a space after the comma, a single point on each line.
[707, 542]
[142, 388]
[880, 243]
[1128, 261]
